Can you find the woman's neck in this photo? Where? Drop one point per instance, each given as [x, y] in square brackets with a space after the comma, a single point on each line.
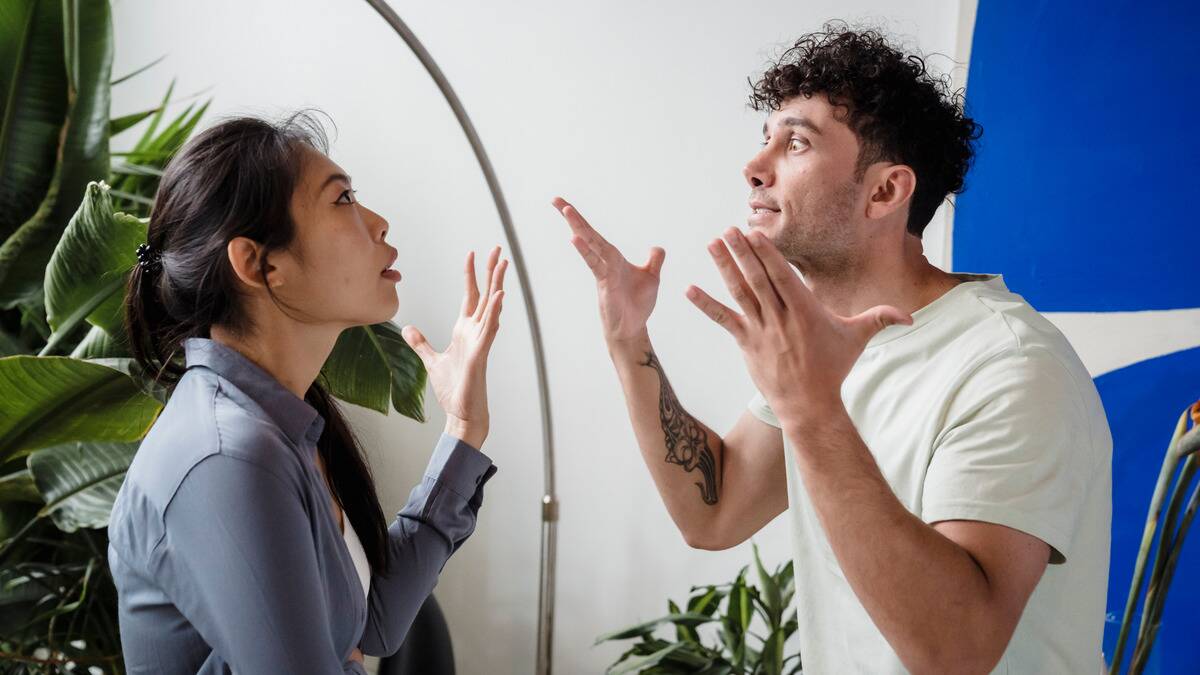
[292, 354]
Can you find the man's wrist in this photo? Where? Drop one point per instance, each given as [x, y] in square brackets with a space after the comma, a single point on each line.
[635, 345]
[804, 414]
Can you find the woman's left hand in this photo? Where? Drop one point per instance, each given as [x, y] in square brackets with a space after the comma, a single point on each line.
[459, 374]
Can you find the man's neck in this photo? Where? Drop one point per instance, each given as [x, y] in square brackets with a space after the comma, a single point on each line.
[907, 282]
[291, 352]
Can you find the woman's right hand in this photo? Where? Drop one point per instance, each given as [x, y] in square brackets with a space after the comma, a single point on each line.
[459, 374]
[627, 292]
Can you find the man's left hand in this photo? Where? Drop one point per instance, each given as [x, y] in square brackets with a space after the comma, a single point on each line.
[797, 351]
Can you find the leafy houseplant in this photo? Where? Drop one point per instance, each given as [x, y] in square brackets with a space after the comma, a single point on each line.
[732, 608]
[73, 405]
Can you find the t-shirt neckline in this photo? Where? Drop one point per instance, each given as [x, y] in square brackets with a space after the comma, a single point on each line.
[939, 306]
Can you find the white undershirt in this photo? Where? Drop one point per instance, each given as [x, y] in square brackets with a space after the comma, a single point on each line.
[357, 554]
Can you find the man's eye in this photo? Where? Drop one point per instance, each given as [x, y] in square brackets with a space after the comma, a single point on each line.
[797, 144]
[348, 195]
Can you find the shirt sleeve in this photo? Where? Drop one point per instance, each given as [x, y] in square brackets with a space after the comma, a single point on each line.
[439, 516]
[1016, 450]
[759, 407]
[242, 567]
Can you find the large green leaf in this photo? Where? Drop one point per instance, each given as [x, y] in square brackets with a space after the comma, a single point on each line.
[82, 151]
[91, 262]
[98, 344]
[19, 487]
[79, 481]
[54, 399]
[370, 364]
[33, 83]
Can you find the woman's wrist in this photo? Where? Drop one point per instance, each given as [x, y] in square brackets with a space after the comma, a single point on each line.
[467, 432]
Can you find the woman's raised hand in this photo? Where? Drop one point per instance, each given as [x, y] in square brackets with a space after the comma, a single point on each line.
[459, 373]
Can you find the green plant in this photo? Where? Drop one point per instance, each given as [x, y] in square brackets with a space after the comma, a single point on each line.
[73, 405]
[1183, 448]
[732, 608]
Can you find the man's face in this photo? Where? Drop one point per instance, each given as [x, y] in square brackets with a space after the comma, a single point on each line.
[803, 193]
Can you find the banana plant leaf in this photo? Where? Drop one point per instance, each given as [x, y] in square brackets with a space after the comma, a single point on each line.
[83, 154]
[53, 399]
[86, 275]
[79, 481]
[371, 365]
[19, 487]
[34, 79]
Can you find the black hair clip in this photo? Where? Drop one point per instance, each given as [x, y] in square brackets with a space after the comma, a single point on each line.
[148, 257]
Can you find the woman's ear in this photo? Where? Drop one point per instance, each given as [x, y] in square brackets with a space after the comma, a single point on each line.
[894, 187]
[245, 256]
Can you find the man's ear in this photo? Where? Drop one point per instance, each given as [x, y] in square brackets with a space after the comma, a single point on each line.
[894, 186]
[245, 256]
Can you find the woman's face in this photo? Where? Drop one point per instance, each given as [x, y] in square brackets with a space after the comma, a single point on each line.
[338, 268]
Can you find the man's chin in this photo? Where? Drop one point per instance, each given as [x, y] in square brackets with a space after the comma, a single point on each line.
[769, 229]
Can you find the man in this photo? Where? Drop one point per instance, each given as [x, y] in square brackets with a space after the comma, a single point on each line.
[942, 452]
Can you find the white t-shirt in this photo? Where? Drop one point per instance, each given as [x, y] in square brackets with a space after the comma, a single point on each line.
[980, 410]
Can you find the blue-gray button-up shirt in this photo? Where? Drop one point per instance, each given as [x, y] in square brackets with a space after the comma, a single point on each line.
[223, 543]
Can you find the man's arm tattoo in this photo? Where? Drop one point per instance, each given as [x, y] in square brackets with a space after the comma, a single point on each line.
[686, 440]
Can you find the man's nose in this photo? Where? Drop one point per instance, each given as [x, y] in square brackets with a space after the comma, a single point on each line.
[758, 172]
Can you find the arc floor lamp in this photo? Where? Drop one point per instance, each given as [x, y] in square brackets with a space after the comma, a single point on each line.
[546, 578]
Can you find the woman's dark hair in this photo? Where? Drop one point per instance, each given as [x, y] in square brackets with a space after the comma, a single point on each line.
[236, 179]
[899, 111]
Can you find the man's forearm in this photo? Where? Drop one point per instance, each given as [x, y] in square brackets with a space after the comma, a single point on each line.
[683, 455]
[924, 592]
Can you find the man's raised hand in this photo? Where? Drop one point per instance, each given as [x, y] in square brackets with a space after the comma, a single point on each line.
[626, 292]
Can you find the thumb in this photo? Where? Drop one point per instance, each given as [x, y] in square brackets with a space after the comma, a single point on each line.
[877, 318]
[657, 255]
[419, 344]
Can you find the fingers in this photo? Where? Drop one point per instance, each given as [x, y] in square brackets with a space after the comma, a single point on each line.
[471, 298]
[492, 263]
[585, 231]
[419, 344]
[657, 256]
[754, 272]
[870, 322]
[491, 318]
[719, 313]
[594, 262]
[734, 280]
[779, 271]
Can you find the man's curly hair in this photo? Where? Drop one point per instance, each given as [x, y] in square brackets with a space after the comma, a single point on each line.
[899, 110]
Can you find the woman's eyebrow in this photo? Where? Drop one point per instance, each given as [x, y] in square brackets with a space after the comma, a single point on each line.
[335, 177]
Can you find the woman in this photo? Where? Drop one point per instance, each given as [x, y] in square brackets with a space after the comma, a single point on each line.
[247, 536]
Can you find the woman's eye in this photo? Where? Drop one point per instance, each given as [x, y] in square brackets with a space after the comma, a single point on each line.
[348, 195]
[797, 144]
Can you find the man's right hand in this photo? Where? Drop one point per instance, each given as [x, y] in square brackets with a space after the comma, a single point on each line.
[627, 292]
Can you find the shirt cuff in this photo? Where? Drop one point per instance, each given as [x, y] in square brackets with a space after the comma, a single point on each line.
[459, 466]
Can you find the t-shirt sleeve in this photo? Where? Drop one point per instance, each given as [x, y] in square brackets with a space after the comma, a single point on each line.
[759, 408]
[1015, 450]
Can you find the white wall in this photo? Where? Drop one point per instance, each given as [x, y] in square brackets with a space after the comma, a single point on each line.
[636, 112]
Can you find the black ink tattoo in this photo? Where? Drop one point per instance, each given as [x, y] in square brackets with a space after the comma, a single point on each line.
[687, 441]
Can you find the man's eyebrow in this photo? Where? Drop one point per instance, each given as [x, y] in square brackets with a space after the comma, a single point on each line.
[796, 122]
[335, 177]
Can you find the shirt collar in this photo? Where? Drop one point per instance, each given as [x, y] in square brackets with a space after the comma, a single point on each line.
[295, 416]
